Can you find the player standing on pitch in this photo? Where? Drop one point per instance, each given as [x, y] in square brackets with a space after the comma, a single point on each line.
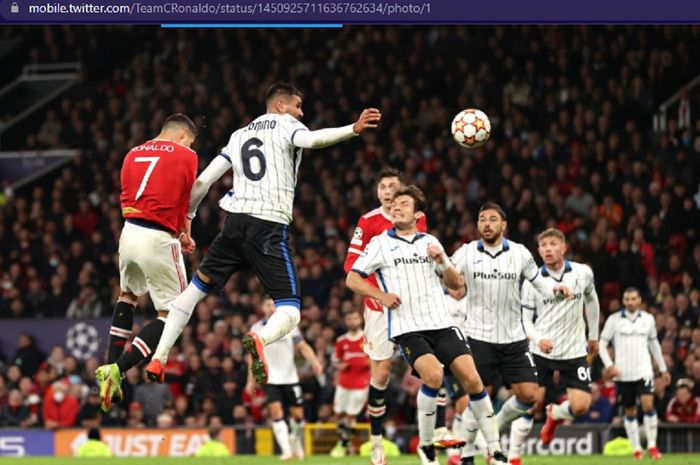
[411, 268]
[265, 156]
[633, 333]
[493, 268]
[352, 364]
[283, 390]
[377, 344]
[558, 338]
[156, 177]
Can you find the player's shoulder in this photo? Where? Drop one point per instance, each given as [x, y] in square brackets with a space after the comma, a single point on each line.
[581, 268]
[430, 238]
[377, 212]
[288, 120]
[517, 247]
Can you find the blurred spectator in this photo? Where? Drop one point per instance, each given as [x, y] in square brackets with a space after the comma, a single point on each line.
[60, 408]
[135, 416]
[93, 447]
[15, 414]
[684, 407]
[27, 357]
[90, 414]
[601, 410]
[213, 447]
[85, 305]
[151, 397]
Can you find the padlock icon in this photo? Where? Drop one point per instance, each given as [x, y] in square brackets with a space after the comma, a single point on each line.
[14, 8]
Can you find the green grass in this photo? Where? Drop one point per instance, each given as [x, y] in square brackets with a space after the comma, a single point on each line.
[679, 459]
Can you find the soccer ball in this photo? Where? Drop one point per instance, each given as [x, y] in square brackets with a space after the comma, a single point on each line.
[471, 128]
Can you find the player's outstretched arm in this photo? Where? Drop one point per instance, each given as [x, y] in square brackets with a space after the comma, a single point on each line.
[369, 118]
[218, 166]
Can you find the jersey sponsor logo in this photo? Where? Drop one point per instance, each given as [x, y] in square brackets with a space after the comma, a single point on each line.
[554, 300]
[495, 274]
[411, 260]
[262, 125]
[154, 148]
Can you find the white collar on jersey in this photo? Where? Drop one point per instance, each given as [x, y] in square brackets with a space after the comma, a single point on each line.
[392, 233]
[545, 272]
[626, 312]
[505, 247]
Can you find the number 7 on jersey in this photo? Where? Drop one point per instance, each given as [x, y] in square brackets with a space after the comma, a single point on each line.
[152, 164]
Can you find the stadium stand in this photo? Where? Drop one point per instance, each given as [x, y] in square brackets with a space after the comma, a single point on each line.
[573, 147]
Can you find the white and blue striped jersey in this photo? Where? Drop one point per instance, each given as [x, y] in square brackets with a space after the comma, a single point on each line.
[280, 356]
[494, 277]
[403, 267]
[635, 339]
[265, 164]
[561, 321]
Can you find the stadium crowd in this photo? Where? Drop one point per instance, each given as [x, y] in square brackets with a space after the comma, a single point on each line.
[572, 147]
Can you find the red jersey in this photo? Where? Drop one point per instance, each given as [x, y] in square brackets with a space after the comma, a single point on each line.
[349, 350]
[157, 178]
[371, 224]
[685, 413]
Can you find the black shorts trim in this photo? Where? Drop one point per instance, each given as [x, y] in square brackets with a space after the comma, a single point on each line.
[629, 391]
[574, 373]
[513, 361]
[290, 395]
[446, 344]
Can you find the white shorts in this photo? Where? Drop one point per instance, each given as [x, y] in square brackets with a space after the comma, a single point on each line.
[150, 261]
[377, 343]
[349, 401]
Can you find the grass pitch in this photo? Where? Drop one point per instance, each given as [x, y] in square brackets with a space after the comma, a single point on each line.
[677, 459]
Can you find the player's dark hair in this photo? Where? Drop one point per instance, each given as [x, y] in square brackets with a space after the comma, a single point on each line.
[632, 289]
[214, 432]
[551, 232]
[388, 172]
[281, 88]
[94, 433]
[420, 204]
[180, 120]
[493, 206]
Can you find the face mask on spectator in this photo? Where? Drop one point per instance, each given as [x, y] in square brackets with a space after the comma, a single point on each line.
[58, 396]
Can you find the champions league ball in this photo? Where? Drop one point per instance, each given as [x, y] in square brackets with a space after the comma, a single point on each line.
[471, 128]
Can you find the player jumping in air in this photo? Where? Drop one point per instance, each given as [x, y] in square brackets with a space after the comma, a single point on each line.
[265, 156]
[156, 177]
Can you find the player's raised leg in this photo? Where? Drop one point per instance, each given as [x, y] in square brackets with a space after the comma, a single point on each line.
[223, 258]
[149, 260]
[267, 252]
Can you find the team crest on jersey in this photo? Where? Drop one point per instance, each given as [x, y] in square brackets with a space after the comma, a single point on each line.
[358, 233]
